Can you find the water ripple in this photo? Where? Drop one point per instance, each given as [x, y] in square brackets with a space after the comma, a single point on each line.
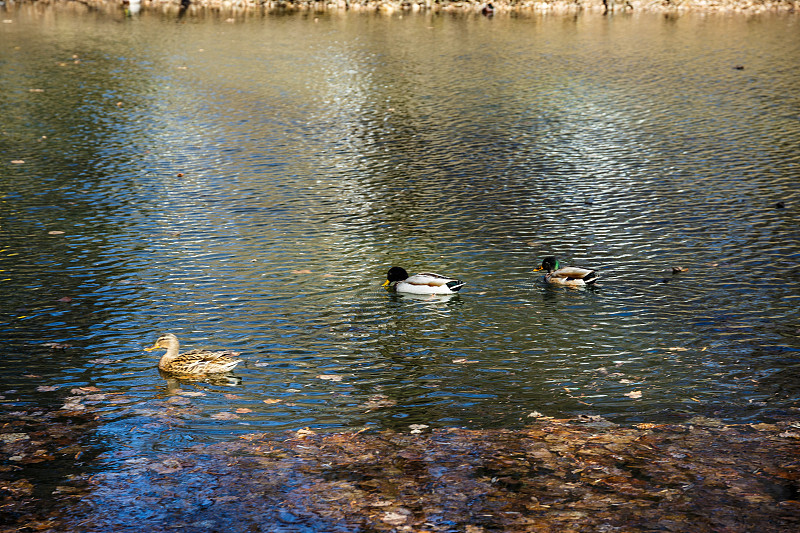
[255, 201]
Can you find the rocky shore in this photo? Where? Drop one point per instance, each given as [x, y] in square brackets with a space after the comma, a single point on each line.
[480, 7]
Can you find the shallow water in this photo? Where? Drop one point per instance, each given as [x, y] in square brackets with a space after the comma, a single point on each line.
[246, 185]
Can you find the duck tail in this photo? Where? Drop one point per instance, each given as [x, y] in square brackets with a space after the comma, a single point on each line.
[455, 285]
[591, 277]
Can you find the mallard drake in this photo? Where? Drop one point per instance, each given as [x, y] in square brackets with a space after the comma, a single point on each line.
[194, 361]
[423, 283]
[571, 275]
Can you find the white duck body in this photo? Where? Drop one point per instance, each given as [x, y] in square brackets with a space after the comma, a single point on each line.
[423, 283]
[429, 283]
[570, 276]
[574, 276]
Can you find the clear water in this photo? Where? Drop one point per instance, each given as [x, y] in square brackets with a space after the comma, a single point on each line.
[247, 185]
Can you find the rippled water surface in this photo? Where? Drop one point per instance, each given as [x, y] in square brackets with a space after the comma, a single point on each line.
[247, 184]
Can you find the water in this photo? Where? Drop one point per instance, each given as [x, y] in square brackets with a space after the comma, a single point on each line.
[247, 185]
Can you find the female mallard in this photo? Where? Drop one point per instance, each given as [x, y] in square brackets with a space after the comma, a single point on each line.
[571, 276]
[424, 283]
[194, 361]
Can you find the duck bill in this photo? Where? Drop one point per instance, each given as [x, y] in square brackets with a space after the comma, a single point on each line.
[538, 269]
[153, 347]
[385, 283]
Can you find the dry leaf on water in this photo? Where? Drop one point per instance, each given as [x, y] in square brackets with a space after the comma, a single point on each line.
[305, 432]
[224, 416]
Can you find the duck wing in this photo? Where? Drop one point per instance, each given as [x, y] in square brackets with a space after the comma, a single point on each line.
[205, 362]
[434, 280]
[570, 273]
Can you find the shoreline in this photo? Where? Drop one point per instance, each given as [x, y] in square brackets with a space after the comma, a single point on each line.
[389, 7]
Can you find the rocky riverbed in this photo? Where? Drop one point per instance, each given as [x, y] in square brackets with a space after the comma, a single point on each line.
[583, 474]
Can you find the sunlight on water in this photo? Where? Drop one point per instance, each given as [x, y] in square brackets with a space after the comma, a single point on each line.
[248, 186]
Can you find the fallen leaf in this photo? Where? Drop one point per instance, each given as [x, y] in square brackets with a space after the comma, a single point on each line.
[244, 410]
[224, 416]
[634, 394]
[18, 161]
[57, 345]
[84, 390]
[167, 467]
[272, 400]
[330, 377]
[55, 232]
[394, 519]
[46, 388]
[379, 401]
[305, 432]
[13, 437]
[303, 271]
[65, 299]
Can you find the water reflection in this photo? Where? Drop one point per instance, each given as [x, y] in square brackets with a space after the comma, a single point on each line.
[247, 189]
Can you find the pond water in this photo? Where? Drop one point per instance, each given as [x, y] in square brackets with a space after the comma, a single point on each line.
[246, 184]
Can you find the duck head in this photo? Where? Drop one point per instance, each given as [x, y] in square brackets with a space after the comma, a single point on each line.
[395, 274]
[549, 263]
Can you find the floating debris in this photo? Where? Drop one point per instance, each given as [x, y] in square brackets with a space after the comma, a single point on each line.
[330, 377]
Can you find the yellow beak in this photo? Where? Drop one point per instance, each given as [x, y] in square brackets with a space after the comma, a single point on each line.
[538, 269]
[153, 347]
[385, 283]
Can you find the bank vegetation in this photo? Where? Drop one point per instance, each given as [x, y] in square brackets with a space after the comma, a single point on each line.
[478, 7]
